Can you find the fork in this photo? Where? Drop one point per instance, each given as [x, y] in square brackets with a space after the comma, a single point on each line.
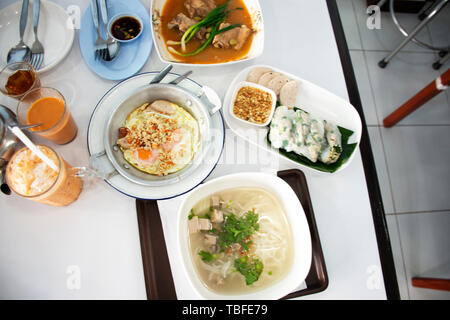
[37, 50]
[100, 47]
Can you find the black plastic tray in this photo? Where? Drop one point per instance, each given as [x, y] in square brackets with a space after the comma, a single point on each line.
[158, 276]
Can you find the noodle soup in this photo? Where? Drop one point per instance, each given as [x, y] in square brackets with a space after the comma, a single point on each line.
[240, 241]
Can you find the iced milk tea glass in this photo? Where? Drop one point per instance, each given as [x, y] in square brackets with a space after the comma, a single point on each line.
[28, 176]
[47, 107]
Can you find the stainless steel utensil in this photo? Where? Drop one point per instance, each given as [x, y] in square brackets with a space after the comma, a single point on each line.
[21, 52]
[161, 74]
[37, 50]
[100, 48]
[9, 143]
[181, 77]
[113, 46]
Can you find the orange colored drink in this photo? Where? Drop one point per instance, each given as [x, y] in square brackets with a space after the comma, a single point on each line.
[47, 107]
[28, 176]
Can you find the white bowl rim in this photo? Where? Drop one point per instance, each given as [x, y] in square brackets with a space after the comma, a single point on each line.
[297, 221]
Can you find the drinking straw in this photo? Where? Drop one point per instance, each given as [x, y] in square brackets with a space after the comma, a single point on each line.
[26, 141]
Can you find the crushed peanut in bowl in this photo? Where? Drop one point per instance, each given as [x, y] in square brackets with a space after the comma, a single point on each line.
[253, 105]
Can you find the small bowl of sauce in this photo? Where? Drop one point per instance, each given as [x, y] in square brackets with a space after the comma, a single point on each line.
[125, 27]
[18, 78]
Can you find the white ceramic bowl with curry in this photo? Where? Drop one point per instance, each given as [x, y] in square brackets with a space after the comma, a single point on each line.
[242, 41]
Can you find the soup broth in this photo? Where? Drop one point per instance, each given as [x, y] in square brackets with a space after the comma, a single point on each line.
[226, 268]
[238, 14]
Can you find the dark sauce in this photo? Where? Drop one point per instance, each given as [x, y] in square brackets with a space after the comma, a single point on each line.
[125, 28]
[19, 82]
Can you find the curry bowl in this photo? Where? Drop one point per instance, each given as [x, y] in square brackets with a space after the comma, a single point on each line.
[251, 51]
[280, 272]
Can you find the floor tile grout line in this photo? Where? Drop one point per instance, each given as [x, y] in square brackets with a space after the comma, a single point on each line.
[397, 225]
[401, 252]
[386, 162]
[402, 51]
[372, 91]
[445, 211]
[448, 96]
[374, 101]
[384, 156]
[409, 125]
[358, 27]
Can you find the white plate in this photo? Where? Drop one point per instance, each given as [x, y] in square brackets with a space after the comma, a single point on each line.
[295, 215]
[256, 48]
[55, 31]
[311, 98]
[97, 129]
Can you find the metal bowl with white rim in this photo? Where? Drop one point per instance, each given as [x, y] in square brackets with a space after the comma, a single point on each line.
[152, 92]
[107, 158]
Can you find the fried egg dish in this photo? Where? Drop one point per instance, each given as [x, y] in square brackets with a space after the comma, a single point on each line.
[159, 138]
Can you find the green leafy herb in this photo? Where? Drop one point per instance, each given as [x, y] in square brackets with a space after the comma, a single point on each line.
[250, 268]
[238, 229]
[206, 216]
[207, 256]
[213, 19]
[191, 215]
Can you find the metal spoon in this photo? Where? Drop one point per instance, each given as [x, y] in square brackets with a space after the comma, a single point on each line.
[29, 126]
[21, 52]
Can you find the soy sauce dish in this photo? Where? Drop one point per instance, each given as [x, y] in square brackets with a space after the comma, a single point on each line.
[125, 27]
[244, 236]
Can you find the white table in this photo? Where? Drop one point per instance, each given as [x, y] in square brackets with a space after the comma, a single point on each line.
[91, 249]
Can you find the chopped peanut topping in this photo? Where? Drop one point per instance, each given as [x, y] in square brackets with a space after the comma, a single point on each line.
[253, 105]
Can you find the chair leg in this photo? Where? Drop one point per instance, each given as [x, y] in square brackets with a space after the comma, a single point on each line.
[423, 96]
[431, 283]
[438, 64]
[384, 62]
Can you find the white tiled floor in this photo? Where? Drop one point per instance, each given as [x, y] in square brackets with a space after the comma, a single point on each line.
[412, 158]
